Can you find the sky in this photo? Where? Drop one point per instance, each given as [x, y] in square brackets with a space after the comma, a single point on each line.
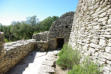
[18, 10]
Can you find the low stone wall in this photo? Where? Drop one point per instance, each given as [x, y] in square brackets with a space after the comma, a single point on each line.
[42, 40]
[15, 52]
[42, 36]
[1, 44]
[42, 45]
[52, 44]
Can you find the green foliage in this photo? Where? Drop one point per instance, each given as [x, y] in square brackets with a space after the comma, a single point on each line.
[6, 40]
[65, 47]
[35, 32]
[45, 24]
[68, 57]
[25, 29]
[87, 67]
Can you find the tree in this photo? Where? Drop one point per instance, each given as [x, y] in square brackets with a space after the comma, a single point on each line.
[32, 20]
[25, 30]
[46, 23]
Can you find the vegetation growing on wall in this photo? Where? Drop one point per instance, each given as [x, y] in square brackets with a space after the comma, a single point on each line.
[70, 59]
[87, 67]
[25, 29]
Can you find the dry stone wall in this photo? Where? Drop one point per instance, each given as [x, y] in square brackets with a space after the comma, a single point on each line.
[42, 40]
[61, 28]
[1, 44]
[15, 52]
[42, 45]
[91, 31]
[42, 36]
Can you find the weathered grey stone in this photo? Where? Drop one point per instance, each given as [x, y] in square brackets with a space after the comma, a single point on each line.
[108, 49]
[42, 45]
[42, 36]
[15, 52]
[61, 28]
[102, 42]
[109, 42]
[92, 20]
[2, 51]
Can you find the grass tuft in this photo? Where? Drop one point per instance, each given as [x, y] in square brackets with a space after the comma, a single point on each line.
[68, 57]
[87, 67]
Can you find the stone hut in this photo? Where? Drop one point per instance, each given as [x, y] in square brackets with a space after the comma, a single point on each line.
[60, 30]
[57, 35]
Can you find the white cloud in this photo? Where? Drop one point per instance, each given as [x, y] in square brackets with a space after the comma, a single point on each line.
[8, 20]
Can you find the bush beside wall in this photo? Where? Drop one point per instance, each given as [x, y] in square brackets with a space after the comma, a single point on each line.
[70, 59]
[86, 67]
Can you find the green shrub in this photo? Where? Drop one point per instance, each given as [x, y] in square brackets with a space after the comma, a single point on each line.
[6, 40]
[65, 47]
[87, 67]
[68, 57]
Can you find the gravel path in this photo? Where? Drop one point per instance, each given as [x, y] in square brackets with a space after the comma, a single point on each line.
[36, 63]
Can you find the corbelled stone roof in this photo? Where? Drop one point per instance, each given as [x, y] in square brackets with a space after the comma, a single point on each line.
[61, 28]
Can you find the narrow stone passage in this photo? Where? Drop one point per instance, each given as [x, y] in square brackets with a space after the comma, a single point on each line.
[36, 63]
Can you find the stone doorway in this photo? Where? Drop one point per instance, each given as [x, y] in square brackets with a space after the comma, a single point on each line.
[60, 43]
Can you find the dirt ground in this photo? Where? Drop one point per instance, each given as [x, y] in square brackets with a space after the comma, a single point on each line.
[58, 70]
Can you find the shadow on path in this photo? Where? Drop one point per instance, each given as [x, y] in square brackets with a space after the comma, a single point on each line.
[20, 67]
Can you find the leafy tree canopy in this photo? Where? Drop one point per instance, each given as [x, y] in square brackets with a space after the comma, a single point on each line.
[25, 29]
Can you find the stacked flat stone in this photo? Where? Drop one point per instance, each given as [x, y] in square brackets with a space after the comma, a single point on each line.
[91, 31]
[1, 44]
[42, 40]
[61, 28]
[42, 36]
[15, 52]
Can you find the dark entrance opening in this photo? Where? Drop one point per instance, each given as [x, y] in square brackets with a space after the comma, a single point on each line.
[60, 43]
